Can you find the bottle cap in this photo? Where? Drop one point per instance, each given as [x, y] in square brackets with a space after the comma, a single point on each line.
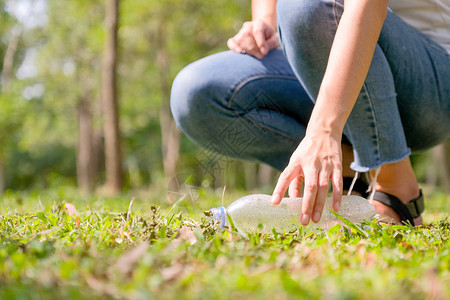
[219, 215]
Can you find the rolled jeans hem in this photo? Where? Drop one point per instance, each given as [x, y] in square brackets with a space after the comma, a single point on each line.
[358, 168]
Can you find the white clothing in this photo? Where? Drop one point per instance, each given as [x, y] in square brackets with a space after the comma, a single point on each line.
[431, 17]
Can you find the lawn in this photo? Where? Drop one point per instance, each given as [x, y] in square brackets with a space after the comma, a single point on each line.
[60, 245]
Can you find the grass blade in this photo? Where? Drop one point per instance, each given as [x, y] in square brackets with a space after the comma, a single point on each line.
[350, 224]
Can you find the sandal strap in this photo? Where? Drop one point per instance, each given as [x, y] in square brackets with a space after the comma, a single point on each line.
[406, 212]
[360, 186]
[416, 206]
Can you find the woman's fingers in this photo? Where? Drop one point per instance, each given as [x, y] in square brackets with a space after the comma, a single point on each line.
[273, 41]
[315, 162]
[315, 190]
[309, 196]
[259, 34]
[244, 40]
[337, 183]
[256, 38]
[282, 185]
[247, 43]
[232, 45]
[322, 192]
[294, 187]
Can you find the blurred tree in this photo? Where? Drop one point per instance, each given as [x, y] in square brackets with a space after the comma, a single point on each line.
[177, 33]
[69, 65]
[113, 156]
[170, 135]
[51, 120]
[61, 128]
[7, 74]
[10, 32]
[438, 170]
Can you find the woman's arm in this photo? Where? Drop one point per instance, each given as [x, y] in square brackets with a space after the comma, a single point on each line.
[258, 36]
[265, 10]
[349, 62]
[318, 157]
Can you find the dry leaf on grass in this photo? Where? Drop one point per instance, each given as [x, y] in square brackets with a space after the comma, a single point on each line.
[434, 286]
[101, 287]
[126, 262]
[173, 272]
[187, 234]
[70, 209]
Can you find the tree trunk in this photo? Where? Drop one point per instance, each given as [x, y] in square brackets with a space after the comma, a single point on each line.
[440, 158]
[85, 159]
[250, 173]
[265, 175]
[8, 65]
[8, 60]
[2, 178]
[170, 138]
[170, 135]
[96, 157]
[113, 156]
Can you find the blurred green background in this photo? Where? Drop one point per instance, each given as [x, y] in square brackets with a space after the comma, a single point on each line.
[51, 57]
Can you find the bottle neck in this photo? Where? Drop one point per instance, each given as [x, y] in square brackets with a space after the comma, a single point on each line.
[219, 215]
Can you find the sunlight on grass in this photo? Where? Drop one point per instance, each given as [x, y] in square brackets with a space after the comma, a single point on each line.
[171, 250]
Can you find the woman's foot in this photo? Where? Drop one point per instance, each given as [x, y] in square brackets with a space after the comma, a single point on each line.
[396, 179]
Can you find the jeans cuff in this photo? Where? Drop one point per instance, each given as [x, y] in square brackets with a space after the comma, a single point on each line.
[359, 167]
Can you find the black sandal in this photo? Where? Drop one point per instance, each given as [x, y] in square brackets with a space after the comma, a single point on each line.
[360, 186]
[406, 212]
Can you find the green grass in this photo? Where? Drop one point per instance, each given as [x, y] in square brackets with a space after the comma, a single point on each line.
[164, 250]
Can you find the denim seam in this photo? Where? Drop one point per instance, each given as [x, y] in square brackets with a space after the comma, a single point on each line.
[270, 129]
[336, 17]
[335, 14]
[374, 120]
[253, 78]
[436, 46]
[426, 40]
[436, 75]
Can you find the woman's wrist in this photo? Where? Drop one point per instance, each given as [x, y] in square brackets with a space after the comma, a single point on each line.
[321, 134]
[267, 19]
[326, 122]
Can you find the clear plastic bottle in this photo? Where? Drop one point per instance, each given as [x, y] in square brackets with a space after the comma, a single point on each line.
[257, 213]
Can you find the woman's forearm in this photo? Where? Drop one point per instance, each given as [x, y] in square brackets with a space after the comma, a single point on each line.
[348, 64]
[265, 10]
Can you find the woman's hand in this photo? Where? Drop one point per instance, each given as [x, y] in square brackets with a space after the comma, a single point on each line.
[316, 161]
[256, 38]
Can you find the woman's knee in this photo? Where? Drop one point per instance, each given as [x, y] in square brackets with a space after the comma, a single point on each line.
[198, 98]
[307, 30]
[304, 20]
[189, 92]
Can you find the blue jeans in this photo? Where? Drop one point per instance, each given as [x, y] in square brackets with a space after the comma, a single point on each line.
[258, 109]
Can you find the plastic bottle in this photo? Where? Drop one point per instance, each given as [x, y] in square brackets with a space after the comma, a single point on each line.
[257, 213]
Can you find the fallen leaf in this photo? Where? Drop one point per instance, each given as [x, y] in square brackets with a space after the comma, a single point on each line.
[94, 283]
[187, 234]
[172, 272]
[260, 270]
[371, 259]
[70, 209]
[101, 287]
[221, 261]
[406, 245]
[125, 262]
[435, 288]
